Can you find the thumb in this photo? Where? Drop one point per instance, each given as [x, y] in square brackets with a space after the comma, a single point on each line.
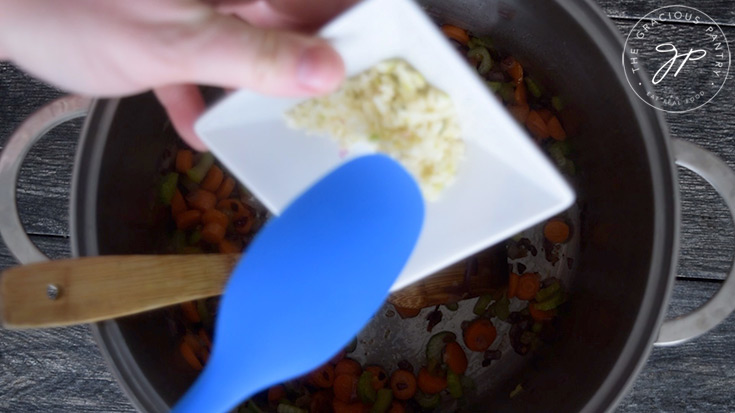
[225, 51]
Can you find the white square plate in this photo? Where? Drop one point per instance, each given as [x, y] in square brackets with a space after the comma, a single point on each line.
[505, 183]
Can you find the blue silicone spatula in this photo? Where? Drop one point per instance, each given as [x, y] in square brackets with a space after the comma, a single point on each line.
[310, 281]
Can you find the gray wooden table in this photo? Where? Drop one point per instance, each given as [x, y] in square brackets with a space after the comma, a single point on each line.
[62, 370]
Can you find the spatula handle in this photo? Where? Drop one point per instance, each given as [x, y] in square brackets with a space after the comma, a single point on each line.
[85, 290]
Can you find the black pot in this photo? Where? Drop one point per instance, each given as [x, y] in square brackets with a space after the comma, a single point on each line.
[628, 220]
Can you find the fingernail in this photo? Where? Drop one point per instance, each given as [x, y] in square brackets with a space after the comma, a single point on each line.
[320, 69]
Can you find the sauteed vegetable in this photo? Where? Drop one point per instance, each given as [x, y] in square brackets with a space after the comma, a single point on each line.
[210, 213]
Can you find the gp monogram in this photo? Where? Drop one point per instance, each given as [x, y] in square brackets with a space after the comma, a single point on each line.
[687, 53]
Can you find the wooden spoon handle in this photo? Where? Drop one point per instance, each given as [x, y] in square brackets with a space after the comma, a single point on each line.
[484, 273]
[92, 289]
[97, 288]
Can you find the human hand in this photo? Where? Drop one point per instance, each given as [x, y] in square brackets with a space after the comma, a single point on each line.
[108, 47]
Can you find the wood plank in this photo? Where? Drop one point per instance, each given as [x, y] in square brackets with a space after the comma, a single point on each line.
[45, 182]
[53, 246]
[695, 376]
[20, 95]
[54, 369]
[707, 233]
[721, 11]
[43, 190]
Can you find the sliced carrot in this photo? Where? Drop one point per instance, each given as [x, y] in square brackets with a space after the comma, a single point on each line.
[545, 114]
[348, 366]
[184, 160]
[345, 387]
[201, 200]
[403, 384]
[480, 334]
[276, 393]
[228, 247]
[189, 356]
[342, 407]
[233, 208]
[556, 231]
[519, 112]
[212, 179]
[513, 285]
[406, 312]
[213, 233]
[380, 377]
[455, 357]
[321, 402]
[323, 376]
[521, 94]
[456, 33]
[513, 68]
[188, 219]
[178, 205]
[555, 129]
[540, 315]
[430, 384]
[225, 189]
[536, 125]
[215, 216]
[516, 73]
[528, 286]
[189, 308]
[396, 407]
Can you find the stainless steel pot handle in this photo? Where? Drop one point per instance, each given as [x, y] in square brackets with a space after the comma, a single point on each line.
[11, 159]
[706, 317]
